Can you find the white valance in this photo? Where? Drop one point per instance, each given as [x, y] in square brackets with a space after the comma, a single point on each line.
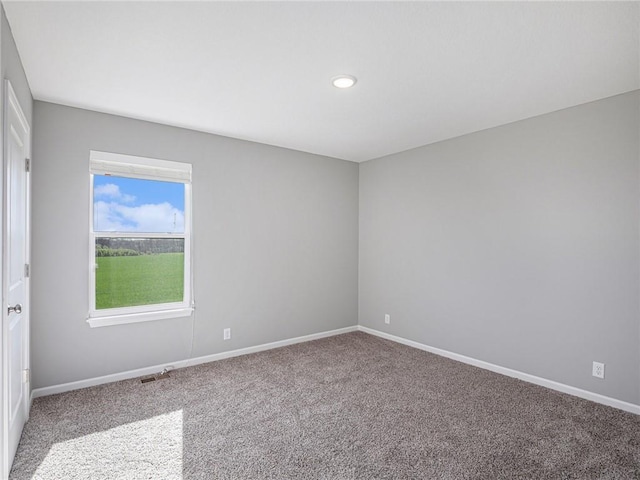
[103, 163]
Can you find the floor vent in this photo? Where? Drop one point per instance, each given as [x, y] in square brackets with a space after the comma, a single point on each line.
[158, 376]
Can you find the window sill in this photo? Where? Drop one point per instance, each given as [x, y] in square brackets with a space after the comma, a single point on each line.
[138, 317]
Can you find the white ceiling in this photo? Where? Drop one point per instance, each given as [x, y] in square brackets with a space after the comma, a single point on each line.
[261, 71]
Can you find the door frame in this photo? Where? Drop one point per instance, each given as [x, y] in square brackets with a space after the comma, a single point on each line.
[10, 100]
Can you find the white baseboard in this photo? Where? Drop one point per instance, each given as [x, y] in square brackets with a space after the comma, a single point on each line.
[560, 387]
[263, 347]
[141, 372]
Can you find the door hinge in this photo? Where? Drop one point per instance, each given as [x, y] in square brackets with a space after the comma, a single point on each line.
[27, 270]
[26, 375]
[27, 165]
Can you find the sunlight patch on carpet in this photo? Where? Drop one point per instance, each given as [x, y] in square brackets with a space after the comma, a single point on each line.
[150, 448]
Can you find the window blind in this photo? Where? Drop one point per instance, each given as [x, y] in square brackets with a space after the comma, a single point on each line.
[103, 163]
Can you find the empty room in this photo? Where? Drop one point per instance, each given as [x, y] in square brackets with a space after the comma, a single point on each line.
[320, 240]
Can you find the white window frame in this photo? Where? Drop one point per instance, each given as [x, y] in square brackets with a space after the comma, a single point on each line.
[129, 166]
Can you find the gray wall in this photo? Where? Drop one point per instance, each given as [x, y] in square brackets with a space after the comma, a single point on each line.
[516, 245]
[275, 245]
[11, 67]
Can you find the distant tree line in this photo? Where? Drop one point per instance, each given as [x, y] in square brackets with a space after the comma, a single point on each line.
[129, 247]
[102, 251]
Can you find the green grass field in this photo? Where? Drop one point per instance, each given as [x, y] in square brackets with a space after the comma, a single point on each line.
[141, 280]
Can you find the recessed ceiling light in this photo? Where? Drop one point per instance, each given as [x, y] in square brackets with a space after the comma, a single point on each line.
[344, 81]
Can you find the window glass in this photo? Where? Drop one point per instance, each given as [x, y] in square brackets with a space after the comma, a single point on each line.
[138, 271]
[134, 205]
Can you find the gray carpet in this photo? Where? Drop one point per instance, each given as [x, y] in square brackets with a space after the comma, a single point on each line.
[347, 407]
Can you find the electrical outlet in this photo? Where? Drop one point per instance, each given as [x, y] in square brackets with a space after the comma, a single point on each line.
[226, 334]
[387, 318]
[598, 369]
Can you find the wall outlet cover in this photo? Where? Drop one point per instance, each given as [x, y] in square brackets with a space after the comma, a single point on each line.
[598, 370]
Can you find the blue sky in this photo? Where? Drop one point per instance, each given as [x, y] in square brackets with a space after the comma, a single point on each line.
[134, 205]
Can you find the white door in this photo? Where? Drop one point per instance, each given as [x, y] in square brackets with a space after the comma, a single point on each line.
[15, 317]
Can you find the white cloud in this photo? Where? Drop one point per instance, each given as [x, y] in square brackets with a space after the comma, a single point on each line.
[154, 218]
[112, 191]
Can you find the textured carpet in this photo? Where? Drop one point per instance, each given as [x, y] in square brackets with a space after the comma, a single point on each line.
[348, 407]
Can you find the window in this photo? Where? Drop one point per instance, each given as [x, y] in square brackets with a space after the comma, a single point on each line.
[140, 239]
